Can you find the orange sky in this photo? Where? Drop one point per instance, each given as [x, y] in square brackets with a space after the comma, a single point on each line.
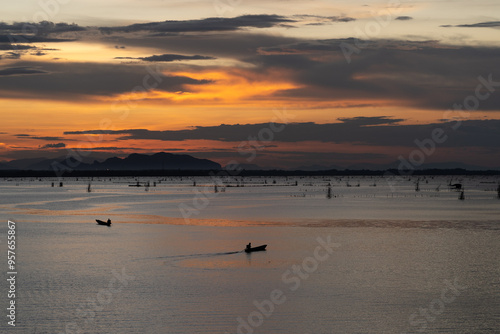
[230, 69]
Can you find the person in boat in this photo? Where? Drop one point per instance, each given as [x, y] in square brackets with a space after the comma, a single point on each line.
[109, 221]
[249, 245]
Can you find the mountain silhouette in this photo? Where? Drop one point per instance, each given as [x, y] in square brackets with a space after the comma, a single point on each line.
[158, 161]
[135, 161]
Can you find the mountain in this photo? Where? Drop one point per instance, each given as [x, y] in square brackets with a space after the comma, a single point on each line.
[169, 161]
[4, 166]
[454, 165]
[158, 161]
[250, 167]
[315, 168]
[24, 163]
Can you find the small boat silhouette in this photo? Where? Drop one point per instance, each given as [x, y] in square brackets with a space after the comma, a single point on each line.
[250, 249]
[100, 222]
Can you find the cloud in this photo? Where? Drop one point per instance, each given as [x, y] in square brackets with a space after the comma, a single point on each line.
[285, 157]
[12, 55]
[422, 74]
[404, 18]
[70, 81]
[168, 58]
[23, 39]
[371, 131]
[322, 20]
[414, 74]
[205, 25]
[230, 44]
[7, 47]
[490, 24]
[58, 145]
[48, 138]
[23, 70]
[114, 148]
[39, 53]
[362, 121]
[40, 29]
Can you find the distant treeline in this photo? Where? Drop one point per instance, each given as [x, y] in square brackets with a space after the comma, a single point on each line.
[114, 173]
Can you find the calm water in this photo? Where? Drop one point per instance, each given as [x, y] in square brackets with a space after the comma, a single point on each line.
[399, 261]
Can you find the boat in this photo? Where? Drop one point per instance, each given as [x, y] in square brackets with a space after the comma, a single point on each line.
[100, 222]
[255, 249]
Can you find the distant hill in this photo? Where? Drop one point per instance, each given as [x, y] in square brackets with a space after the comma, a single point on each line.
[250, 167]
[169, 161]
[4, 166]
[158, 161]
[24, 163]
[313, 168]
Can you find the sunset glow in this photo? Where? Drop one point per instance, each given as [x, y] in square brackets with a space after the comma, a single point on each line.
[385, 73]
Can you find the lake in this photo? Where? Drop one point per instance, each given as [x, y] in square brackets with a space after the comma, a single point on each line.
[380, 257]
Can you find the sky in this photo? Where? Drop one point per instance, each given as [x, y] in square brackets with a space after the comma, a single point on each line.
[281, 84]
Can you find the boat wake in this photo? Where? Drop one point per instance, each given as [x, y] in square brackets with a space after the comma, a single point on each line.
[191, 256]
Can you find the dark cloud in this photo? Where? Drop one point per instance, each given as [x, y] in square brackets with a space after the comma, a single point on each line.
[415, 74]
[369, 121]
[23, 135]
[205, 25]
[115, 148]
[376, 131]
[404, 18]
[168, 58]
[491, 24]
[39, 29]
[335, 45]
[47, 138]
[52, 153]
[23, 70]
[173, 57]
[23, 39]
[69, 81]
[58, 145]
[277, 156]
[423, 74]
[12, 55]
[7, 47]
[236, 44]
[16, 36]
[322, 20]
